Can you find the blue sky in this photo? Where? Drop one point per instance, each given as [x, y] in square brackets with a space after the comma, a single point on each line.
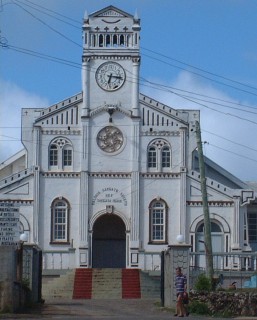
[208, 49]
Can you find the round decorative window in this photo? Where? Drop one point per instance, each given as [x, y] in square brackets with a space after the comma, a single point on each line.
[110, 139]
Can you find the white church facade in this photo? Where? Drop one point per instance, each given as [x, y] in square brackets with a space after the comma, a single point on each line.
[109, 177]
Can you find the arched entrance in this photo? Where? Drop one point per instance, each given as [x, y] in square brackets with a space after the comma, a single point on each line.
[109, 242]
[217, 243]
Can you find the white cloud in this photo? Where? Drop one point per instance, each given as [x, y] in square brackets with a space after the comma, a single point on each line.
[222, 123]
[13, 98]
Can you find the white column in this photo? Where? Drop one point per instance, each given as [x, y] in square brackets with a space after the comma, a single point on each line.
[236, 227]
[135, 86]
[83, 214]
[135, 187]
[86, 85]
[182, 229]
[135, 209]
[84, 181]
[36, 145]
[36, 197]
[85, 144]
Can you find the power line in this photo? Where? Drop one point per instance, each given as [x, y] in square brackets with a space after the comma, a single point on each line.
[157, 86]
[152, 51]
[50, 15]
[237, 154]
[200, 69]
[236, 143]
[55, 12]
[200, 75]
[48, 26]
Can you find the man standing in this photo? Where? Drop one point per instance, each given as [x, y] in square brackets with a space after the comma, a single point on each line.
[181, 287]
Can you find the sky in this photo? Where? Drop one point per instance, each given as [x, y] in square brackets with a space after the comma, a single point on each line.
[195, 54]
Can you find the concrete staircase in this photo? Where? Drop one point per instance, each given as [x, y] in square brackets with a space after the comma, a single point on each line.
[131, 284]
[82, 286]
[150, 286]
[58, 287]
[84, 283]
[106, 284]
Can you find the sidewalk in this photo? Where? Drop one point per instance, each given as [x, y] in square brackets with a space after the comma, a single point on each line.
[129, 309]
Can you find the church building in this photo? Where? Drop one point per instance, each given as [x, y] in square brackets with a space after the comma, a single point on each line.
[109, 177]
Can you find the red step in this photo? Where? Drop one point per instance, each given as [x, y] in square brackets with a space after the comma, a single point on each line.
[83, 284]
[131, 284]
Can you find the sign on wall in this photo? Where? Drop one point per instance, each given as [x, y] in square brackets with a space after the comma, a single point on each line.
[9, 224]
[109, 195]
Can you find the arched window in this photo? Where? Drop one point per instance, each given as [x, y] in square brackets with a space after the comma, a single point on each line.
[93, 37]
[108, 40]
[60, 154]
[53, 155]
[60, 221]
[158, 222]
[122, 40]
[115, 40]
[101, 40]
[214, 227]
[165, 157]
[67, 156]
[159, 156]
[152, 157]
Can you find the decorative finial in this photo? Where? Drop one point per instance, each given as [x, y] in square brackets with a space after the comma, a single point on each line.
[136, 18]
[86, 19]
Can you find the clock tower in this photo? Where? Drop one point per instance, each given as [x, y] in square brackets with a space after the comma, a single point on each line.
[111, 60]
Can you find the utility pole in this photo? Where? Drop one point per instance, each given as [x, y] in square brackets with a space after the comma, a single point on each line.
[207, 223]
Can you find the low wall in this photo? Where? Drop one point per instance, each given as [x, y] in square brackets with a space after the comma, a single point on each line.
[236, 303]
[7, 277]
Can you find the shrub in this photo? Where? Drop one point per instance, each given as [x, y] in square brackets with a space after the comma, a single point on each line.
[203, 283]
[199, 308]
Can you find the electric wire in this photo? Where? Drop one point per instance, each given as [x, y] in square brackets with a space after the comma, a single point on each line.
[197, 68]
[182, 96]
[146, 49]
[18, 3]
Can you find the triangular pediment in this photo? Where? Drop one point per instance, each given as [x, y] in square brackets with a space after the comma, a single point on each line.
[195, 191]
[115, 108]
[157, 113]
[23, 189]
[110, 11]
[215, 191]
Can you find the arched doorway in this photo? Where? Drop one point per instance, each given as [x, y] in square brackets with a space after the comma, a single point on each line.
[217, 244]
[109, 242]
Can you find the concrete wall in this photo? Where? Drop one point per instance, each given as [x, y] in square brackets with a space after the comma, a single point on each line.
[175, 256]
[7, 277]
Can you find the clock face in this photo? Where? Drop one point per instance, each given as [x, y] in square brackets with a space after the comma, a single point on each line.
[110, 76]
[110, 139]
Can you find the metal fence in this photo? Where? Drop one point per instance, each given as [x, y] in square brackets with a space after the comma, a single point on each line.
[239, 268]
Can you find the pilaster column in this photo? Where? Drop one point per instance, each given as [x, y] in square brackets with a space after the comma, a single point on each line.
[135, 86]
[84, 181]
[36, 145]
[36, 169]
[236, 225]
[36, 204]
[86, 85]
[85, 144]
[182, 221]
[83, 213]
[135, 209]
[135, 187]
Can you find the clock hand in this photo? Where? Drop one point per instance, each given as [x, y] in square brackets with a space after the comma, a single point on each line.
[110, 76]
[117, 77]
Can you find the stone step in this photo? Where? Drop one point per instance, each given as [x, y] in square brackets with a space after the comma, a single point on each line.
[59, 287]
[102, 284]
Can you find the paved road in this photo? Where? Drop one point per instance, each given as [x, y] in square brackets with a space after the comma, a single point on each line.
[100, 310]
